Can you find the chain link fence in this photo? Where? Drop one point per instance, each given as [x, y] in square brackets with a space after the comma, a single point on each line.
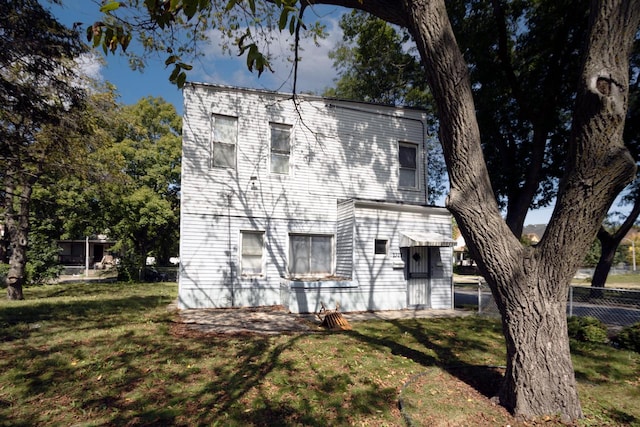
[615, 308]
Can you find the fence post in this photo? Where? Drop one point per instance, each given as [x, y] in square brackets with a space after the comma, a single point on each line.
[479, 297]
[570, 301]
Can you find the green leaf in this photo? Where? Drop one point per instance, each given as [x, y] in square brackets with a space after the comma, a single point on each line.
[230, 5]
[125, 39]
[292, 25]
[170, 60]
[190, 8]
[182, 78]
[108, 35]
[110, 7]
[284, 15]
[174, 74]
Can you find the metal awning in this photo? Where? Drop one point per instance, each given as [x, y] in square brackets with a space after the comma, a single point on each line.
[410, 239]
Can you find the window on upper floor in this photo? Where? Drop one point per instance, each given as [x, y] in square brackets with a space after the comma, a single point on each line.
[252, 248]
[280, 148]
[224, 141]
[408, 161]
[310, 255]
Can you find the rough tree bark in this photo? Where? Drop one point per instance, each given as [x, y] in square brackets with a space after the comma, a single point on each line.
[530, 285]
[16, 204]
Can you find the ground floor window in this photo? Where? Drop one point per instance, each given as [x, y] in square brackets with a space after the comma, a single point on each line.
[380, 246]
[310, 254]
[251, 253]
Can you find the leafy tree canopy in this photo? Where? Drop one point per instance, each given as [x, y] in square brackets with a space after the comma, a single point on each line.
[41, 101]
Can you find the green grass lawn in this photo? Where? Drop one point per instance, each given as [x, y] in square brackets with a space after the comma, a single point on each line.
[113, 354]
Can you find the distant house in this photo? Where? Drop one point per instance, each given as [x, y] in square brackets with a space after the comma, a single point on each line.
[89, 253]
[298, 202]
[534, 232]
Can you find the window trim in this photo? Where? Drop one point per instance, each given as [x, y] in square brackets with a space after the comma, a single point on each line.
[272, 152]
[416, 147]
[310, 275]
[375, 247]
[213, 143]
[242, 254]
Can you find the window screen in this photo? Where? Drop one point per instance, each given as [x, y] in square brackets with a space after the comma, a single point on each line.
[280, 148]
[225, 137]
[252, 247]
[407, 157]
[310, 254]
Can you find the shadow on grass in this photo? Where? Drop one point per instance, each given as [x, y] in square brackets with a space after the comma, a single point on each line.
[441, 348]
[21, 320]
[122, 360]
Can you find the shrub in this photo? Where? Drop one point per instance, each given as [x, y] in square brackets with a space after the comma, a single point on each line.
[587, 329]
[629, 338]
[4, 269]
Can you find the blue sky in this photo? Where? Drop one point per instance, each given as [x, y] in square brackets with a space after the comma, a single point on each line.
[315, 71]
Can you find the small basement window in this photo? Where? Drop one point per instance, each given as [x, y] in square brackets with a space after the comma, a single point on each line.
[380, 246]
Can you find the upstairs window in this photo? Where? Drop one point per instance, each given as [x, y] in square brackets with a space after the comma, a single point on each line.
[408, 160]
[224, 141]
[280, 148]
[310, 255]
[252, 253]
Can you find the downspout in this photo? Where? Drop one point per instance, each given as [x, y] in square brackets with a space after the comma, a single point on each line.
[232, 284]
[86, 258]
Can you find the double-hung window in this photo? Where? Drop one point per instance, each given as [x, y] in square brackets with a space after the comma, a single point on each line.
[224, 141]
[408, 161]
[310, 255]
[280, 148]
[252, 253]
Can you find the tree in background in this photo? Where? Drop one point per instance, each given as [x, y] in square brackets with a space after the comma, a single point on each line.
[40, 97]
[142, 211]
[529, 283]
[65, 204]
[124, 182]
[373, 66]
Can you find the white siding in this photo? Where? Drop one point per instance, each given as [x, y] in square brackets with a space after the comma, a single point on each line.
[344, 239]
[339, 151]
[377, 272]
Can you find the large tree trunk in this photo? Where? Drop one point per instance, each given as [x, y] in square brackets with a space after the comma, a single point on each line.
[530, 285]
[539, 378]
[17, 198]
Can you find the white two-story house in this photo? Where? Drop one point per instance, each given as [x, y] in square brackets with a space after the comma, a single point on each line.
[300, 201]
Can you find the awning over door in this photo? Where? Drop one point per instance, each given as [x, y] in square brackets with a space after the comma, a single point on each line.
[410, 239]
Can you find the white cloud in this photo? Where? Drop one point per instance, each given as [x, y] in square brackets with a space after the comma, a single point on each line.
[90, 65]
[315, 69]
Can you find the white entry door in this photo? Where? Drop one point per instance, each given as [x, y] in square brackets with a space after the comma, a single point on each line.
[418, 277]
